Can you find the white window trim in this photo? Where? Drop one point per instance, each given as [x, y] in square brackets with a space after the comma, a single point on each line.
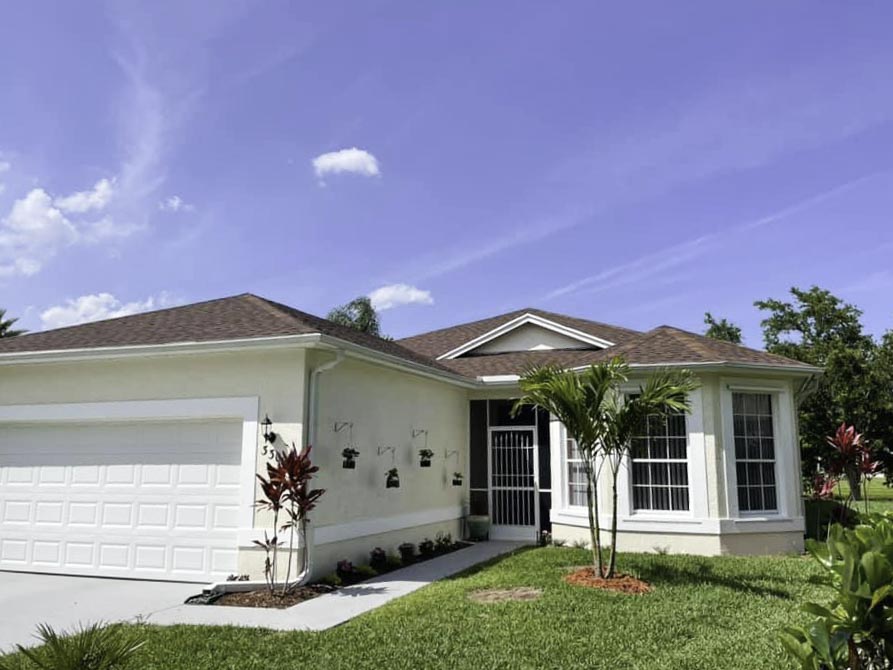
[523, 320]
[786, 456]
[697, 471]
[247, 409]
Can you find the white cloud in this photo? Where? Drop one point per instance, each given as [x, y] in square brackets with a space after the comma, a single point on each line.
[175, 203]
[357, 161]
[31, 234]
[5, 166]
[98, 306]
[96, 198]
[396, 295]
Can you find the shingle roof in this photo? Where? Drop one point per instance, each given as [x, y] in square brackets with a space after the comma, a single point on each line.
[438, 342]
[664, 345]
[248, 316]
[239, 317]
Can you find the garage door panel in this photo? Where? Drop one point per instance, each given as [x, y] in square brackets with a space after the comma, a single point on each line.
[150, 500]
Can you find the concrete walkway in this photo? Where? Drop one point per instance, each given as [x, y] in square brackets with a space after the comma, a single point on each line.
[342, 605]
[64, 602]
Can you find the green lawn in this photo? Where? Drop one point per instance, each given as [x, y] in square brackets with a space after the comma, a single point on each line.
[704, 613]
[880, 496]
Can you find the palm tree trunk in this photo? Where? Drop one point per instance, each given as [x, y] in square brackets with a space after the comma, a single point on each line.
[594, 524]
[612, 560]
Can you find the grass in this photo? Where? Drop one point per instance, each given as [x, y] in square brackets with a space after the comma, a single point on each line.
[704, 613]
[880, 496]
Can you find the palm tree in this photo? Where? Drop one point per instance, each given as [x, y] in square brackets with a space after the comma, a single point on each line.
[603, 422]
[358, 314]
[626, 416]
[6, 326]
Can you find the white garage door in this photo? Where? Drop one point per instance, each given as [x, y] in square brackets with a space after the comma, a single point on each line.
[138, 499]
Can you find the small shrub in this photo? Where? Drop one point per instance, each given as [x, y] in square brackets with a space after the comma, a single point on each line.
[443, 542]
[855, 632]
[345, 569]
[426, 548]
[332, 579]
[394, 562]
[365, 572]
[820, 514]
[558, 542]
[378, 559]
[93, 647]
[580, 544]
[407, 552]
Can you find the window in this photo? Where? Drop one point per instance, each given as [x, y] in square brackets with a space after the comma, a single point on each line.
[754, 451]
[576, 475]
[660, 465]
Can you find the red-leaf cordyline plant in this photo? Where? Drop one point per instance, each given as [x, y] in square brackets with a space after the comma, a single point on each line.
[287, 488]
[854, 459]
[274, 493]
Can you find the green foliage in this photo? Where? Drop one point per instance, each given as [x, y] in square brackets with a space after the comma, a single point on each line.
[820, 329]
[6, 326]
[365, 572]
[92, 647]
[358, 314]
[723, 329]
[332, 579]
[855, 631]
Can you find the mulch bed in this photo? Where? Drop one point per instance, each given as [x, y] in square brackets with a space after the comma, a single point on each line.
[620, 582]
[263, 598]
[491, 596]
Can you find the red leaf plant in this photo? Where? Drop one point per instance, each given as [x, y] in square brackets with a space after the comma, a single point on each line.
[854, 459]
[287, 488]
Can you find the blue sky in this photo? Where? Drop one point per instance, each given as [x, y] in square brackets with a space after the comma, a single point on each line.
[636, 164]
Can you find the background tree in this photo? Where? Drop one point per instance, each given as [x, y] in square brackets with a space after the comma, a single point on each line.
[723, 329]
[820, 329]
[6, 326]
[358, 314]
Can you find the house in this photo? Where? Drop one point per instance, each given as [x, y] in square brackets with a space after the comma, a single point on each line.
[129, 447]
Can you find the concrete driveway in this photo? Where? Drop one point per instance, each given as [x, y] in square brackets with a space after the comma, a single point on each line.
[63, 602]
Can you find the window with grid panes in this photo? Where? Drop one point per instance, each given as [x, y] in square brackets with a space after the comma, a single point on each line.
[754, 436]
[660, 465]
[576, 475]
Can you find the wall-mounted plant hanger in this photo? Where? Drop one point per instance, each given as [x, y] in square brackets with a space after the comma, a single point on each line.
[392, 476]
[350, 452]
[425, 454]
[457, 478]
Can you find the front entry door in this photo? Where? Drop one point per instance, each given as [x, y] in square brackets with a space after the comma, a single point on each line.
[514, 495]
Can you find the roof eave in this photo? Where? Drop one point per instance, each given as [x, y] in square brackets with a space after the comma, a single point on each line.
[166, 349]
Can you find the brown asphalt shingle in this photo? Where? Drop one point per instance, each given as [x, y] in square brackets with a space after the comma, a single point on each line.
[248, 316]
[239, 317]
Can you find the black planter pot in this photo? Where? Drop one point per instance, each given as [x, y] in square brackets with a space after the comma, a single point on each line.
[425, 463]
[457, 482]
[392, 483]
[349, 464]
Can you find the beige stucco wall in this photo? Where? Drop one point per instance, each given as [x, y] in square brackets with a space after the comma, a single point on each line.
[384, 407]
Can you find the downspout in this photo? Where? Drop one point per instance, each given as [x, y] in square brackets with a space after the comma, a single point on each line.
[312, 421]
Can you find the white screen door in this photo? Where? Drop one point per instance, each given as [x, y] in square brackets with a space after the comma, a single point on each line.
[514, 498]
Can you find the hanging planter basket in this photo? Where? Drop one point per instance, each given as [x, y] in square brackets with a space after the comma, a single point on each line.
[349, 457]
[425, 456]
[457, 479]
[392, 479]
